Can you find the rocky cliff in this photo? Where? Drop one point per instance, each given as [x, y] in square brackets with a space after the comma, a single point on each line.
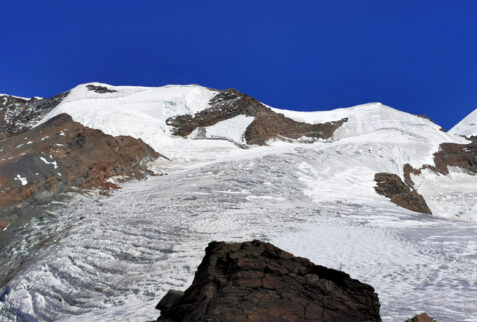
[256, 281]
[61, 155]
[266, 125]
[18, 114]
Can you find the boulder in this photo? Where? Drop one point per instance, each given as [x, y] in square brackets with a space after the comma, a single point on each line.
[391, 186]
[423, 317]
[256, 281]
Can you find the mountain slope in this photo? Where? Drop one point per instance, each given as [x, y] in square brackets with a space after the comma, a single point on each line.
[238, 169]
[467, 126]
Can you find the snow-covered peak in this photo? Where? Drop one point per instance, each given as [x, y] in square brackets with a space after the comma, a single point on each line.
[141, 112]
[466, 127]
[134, 111]
[378, 123]
[371, 118]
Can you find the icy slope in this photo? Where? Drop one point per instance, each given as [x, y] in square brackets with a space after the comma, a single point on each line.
[375, 138]
[141, 112]
[466, 127]
[378, 123]
[114, 257]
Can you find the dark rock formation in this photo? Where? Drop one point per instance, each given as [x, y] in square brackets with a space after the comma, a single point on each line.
[267, 124]
[400, 193]
[100, 89]
[256, 281]
[423, 317]
[457, 155]
[62, 155]
[18, 115]
[463, 156]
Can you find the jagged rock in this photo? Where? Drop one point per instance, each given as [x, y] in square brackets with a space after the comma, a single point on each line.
[423, 317]
[256, 281]
[100, 89]
[267, 124]
[62, 155]
[18, 115]
[463, 156]
[391, 186]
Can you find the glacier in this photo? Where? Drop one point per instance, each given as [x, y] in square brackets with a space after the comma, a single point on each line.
[97, 257]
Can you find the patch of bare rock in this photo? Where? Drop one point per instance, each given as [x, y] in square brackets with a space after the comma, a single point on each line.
[423, 317]
[463, 156]
[61, 155]
[18, 115]
[391, 186]
[256, 281]
[267, 125]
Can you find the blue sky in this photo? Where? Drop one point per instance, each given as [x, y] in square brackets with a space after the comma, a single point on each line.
[417, 56]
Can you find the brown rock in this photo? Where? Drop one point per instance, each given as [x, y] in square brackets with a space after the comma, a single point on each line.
[400, 193]
[256, 281]
[62, 155]
[423, 317]
[267, 124]
[463, 156]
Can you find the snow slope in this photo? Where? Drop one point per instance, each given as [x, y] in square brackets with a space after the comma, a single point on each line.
[114, 257]
[378, 123]
[232, 129]
[141, 112]
[375, 138]
[466, 127]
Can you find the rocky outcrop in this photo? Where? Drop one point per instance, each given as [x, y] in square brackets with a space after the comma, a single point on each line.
[457, 155]
[463, 156]
[423, 317]
[18, 115]
[61, 156]
[256, 281]
[400, 193]
[100, 89]
[267, 124]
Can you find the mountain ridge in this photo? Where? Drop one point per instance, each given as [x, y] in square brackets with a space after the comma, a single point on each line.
[137, 202]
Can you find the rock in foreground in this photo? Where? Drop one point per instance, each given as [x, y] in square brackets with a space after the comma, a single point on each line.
[256, 281]
[423, 317]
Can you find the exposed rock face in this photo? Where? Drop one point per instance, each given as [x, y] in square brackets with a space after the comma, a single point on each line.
[423, 317]
[457, 155]
[62, 155]
[18, 115]
[463, 156]
[267, 124]
[400, 193]
[100, 89]
[256, 281]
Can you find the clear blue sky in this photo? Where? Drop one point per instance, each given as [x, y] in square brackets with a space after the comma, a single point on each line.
[417, 56]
